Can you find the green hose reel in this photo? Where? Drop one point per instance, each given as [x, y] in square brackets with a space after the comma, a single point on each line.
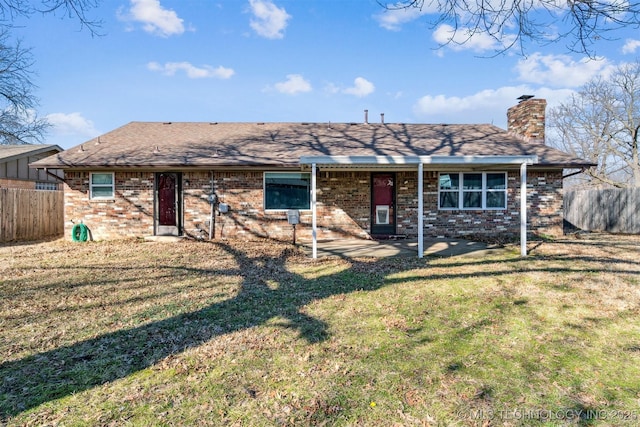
[80, 233]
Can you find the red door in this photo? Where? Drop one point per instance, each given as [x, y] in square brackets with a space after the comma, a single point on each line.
[383, 215]
[167, 198]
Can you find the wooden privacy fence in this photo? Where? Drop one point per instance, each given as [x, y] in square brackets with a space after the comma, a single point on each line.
[30, 214]
[611, 210]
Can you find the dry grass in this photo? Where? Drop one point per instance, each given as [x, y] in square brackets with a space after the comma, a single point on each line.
[234, 333]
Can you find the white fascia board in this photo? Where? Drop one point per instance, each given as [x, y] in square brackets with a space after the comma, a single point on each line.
[414, 160]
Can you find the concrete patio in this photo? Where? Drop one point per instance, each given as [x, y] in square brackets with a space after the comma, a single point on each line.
[355, 248]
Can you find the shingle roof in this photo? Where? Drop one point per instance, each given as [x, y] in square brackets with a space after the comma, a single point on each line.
[188, 144]
[8, 152]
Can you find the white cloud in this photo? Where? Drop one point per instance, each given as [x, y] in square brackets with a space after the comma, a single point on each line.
[560, 70]
[72, 124]
[463, 39]
[154, 18]
[486, 106]
[362, 87]
[630, 46]
[294, 84]
[193, 72]
[268, 21]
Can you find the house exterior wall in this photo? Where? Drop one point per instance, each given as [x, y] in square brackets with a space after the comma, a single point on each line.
[343, 200]
[343, 207]
[15, 173]
[129, 214]
[544, 209]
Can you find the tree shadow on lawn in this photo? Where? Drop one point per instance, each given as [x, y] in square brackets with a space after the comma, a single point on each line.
[40, 378]
[43, 377]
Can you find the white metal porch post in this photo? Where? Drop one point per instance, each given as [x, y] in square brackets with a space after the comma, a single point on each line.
[420, 211]
[314, 215]
[523, 209]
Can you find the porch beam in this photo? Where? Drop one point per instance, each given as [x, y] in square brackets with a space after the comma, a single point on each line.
[314, 215]
[523, 209]
[420, 211]
[413, 160]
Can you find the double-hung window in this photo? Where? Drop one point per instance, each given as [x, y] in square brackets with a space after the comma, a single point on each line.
[101, 185]
[472, 190]
[287, 190]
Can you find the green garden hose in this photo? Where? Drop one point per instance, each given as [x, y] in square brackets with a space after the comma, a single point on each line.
[80, 233]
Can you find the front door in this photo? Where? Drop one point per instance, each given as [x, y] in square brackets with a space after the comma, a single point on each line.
[168, 198]
[383, 204]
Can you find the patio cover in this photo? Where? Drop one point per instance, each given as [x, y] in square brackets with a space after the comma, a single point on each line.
[418, 163]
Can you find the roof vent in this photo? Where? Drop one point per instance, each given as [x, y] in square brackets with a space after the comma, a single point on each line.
[166, 123]
[366, 117]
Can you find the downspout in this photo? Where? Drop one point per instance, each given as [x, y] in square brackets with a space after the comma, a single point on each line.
[523, 209]
[212, 221]
[420, 211]
[314, 215]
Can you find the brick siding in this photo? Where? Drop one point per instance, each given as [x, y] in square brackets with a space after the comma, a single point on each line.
[129, 214]
[528, 118]
[343, 207]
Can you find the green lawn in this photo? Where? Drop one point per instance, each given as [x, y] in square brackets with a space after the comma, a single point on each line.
[232, 333]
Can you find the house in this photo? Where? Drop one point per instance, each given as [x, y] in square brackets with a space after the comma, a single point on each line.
[347, 180]
[15, 171]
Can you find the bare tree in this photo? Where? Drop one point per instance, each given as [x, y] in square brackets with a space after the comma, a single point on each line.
[601, 123]
[77, 9]
[19, 122]
[512, 23]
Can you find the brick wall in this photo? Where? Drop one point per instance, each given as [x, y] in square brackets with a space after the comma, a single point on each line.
[129, 214]
[343, 207]
[544, 209]
[343, 200]
[544, 197]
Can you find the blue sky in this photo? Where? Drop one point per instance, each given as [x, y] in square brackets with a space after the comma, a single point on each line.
[285, 61]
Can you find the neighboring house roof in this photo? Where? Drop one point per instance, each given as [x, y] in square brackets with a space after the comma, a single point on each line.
[11, 152]
[211, 145]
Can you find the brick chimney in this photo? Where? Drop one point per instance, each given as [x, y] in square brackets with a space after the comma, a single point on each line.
[527, 118]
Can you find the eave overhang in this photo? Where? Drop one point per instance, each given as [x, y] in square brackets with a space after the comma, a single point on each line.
[411, 162]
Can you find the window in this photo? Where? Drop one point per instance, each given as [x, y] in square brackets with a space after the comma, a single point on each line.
[287, 190]
[476, 190]
[101, 186]
[49, 186]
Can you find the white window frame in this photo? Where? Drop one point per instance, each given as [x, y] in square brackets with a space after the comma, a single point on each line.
[112, 186]
[264, 191]
[484, 190]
